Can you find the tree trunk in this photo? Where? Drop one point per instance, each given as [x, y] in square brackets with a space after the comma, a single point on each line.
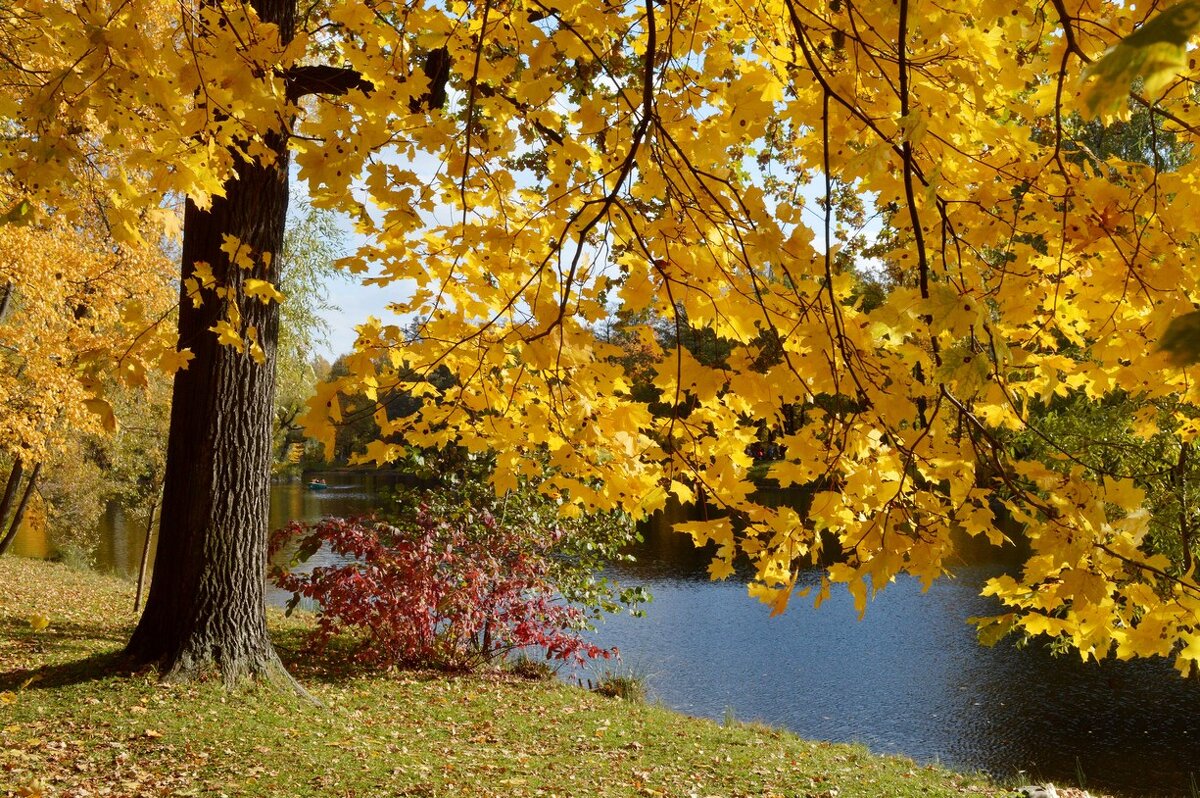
[5, 297]
[205, 610]
[10, 492]
[141, 583]
[19, 515]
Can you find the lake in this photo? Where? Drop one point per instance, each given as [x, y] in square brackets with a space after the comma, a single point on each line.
[909, 678]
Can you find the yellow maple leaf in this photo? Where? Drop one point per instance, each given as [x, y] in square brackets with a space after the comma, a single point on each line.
[1156, 52]
[1189, 655]
[262, 290]
[239, 253]
[228, 336]
[104, 410]
[32, 789]
[171, 360]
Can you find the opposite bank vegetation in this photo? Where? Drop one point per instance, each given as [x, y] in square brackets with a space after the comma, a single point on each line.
[73, 724]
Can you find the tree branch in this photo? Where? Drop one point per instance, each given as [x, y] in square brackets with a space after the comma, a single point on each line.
[19, 514]
[319, 79]
[303, 81]
[1185, 527]
[1067, 22]
[487, 90]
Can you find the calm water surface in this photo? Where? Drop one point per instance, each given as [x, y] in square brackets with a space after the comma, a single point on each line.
[909, 678]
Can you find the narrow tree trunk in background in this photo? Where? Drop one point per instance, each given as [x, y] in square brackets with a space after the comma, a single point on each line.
[5, 296]
[205, 609]
[137, 599]
[10, 492]
[19, 515]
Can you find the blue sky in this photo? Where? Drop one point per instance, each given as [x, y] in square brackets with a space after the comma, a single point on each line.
[353, 302]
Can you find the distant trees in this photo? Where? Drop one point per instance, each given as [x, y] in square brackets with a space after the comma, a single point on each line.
[82, 330]
[312, 244]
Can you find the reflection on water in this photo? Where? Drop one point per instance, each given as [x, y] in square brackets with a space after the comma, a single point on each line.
[122, 533]
[31, 539]
[347, 495]
[909, 678]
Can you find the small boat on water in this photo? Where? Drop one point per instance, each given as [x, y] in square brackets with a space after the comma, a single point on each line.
[317, 484]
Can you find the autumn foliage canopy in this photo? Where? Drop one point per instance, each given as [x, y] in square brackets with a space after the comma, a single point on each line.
[1025, 219]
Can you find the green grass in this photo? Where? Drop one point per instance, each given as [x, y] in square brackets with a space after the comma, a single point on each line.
[72, 726]
[622, 684]
[529, 668]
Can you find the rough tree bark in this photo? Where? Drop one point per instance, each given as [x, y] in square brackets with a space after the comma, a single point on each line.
[205, 609]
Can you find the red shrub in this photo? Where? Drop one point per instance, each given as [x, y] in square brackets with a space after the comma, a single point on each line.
[438, 593]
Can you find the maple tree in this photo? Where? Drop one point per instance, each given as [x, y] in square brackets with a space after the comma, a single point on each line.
[1020, 266]
[82, 320]
[697, 163]
[92, 471]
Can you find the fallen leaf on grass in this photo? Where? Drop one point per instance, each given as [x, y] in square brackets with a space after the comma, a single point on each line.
[34, 789]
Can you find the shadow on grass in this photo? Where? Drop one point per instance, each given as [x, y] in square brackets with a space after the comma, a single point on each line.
[73, 654]
[67, 653]
[95, 668]
[78, 633]
[336, 663]
[333, 664]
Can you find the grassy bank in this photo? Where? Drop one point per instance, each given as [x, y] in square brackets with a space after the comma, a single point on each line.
[72, 725]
